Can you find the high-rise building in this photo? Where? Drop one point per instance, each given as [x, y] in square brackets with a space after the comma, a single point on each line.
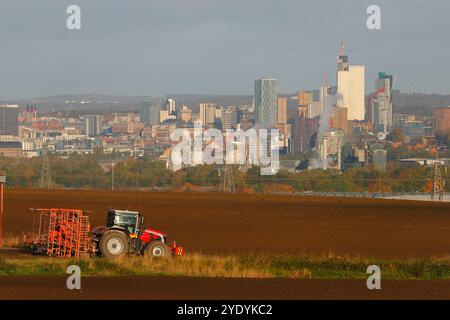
[9, 119]
[92, 125]
[229, 119]
[282, 110]
[171, 106]
[442, 119]
[207, 113]
[350, 86]
[351, 91]
[339, 119]
[305, 98]
[266, 102]
[380, 108]
[314, 109]
[303, 133]
[149, 113]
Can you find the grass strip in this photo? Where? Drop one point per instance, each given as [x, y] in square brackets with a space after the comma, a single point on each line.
[246, 266]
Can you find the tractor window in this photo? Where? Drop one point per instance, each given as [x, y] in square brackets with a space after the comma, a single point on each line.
[126, 221]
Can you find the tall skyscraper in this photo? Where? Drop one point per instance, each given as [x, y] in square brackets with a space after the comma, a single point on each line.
[207, 113]
[9, 119]
[351, 87]
[381, 101]
[149, 113]
[92, 125]
[282, 110]
[266, 102]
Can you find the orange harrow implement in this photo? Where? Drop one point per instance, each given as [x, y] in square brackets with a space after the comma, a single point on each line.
[60, 233]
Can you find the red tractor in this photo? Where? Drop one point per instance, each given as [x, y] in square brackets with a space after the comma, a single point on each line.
[125, 234]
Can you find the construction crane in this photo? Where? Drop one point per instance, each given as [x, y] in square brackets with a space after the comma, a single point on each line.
[325, 76]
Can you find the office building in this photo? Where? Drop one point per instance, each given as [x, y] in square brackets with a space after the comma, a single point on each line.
[92, 125]
[171, 106]
[351, 91]
[380, 104]
[350, 87]
[282, 110]
[266, 102]
[9, 119]
[304, 98]
[149, 113]
[414, 129]
[207, 113]
[303, 133]
[314, 109]
[229, 119]
[442, 119]
[339, 119]
[399, 120]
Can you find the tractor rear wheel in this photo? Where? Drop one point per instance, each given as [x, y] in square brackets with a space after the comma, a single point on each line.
[114, 244]
[156, 249]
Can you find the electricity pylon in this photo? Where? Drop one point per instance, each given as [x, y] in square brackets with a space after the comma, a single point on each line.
[46, 178]
[227, 183]
[438, 182]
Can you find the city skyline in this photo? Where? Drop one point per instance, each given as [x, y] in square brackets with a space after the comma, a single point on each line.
[219, 49]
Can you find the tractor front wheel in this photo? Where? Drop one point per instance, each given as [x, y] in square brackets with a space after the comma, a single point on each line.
[113, 244]
[156, 249]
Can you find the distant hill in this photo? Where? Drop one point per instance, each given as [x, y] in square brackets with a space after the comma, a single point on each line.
[418, 103]
[83, 103]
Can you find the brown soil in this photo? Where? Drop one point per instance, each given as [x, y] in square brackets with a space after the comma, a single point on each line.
[245, 223]
[180, 288]
[269, 224]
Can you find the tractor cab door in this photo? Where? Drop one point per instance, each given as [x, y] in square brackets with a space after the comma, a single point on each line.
[140, 225]
[127, 221]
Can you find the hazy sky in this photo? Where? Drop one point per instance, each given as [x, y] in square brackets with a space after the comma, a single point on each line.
[158, 47]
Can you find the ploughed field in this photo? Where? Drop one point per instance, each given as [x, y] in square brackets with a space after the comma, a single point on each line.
[182, 288]
[215, 223]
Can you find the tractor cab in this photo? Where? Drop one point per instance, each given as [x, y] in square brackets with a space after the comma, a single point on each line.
[131, 221]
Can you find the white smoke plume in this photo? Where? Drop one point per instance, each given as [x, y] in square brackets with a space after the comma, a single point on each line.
[324, 122]
[324, 125]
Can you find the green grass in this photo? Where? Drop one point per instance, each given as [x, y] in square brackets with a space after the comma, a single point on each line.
[250, 266]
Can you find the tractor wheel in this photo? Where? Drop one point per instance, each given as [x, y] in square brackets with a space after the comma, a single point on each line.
[156, 249]
[114, 244]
